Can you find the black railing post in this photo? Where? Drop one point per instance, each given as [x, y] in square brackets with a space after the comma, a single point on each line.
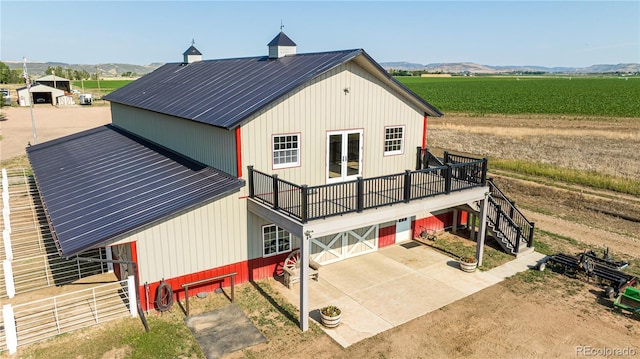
[426, 158]
[484, 171]
[419, 163]
[407, 186]
[447, 179]
[304, 211]
[360, 194]
[251, 185]
[499, 212]
[512, 208]
[518, 233]
[446, 157]
[531, 229]
[275, 192]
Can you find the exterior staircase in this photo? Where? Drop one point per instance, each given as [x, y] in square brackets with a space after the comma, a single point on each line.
[511, 229]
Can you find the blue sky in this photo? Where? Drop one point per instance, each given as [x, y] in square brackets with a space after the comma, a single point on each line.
[545, 33]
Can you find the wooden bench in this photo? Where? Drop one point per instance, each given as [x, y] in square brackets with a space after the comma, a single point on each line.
[291, 269]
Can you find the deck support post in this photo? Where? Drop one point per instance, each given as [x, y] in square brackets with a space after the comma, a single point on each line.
[454, 229]
[304, 281]
[482, 232]
[472, 226]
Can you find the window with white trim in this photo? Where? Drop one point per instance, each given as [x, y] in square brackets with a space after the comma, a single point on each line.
[286, 150]
[275, 240]
[393, 140]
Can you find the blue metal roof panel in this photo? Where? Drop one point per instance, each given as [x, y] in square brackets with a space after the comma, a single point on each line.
[281, 40]
[224, 92]
[104, 182]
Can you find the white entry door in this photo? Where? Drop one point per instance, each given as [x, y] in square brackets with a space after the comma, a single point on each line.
[403, 229]
[344, 155]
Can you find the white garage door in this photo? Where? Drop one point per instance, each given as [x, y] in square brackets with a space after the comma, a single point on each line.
[333, 248]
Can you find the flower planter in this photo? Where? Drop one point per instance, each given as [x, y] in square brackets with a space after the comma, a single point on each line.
[332, 319]
[468, 267]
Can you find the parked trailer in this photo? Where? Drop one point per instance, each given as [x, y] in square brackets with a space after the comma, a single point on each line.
[85, 99]
[584, 262]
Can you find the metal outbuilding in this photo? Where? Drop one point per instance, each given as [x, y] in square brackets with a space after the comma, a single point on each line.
[56, 82]
[40, 94]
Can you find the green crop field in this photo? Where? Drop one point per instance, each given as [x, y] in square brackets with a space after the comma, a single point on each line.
[591, 96]
[106, 86]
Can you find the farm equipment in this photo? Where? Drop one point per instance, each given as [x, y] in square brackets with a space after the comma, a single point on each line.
[602, 268]
[629, 300]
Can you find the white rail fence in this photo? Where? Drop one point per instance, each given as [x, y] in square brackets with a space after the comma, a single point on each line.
[45, 318]
[30, 260]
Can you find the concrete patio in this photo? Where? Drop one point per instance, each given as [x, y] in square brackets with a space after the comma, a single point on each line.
[394, 285]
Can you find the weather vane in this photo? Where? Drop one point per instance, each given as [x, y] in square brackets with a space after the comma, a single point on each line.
[281, 25]
[193, 41]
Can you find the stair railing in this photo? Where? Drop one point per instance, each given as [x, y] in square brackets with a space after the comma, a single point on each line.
[503, 225]
[510, 209]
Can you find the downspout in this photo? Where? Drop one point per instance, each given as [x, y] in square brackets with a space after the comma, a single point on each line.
[424, 132]
[136, 279]
[239, 151]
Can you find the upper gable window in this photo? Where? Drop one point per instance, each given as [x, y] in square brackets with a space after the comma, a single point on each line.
[286, 150]
[393, 140]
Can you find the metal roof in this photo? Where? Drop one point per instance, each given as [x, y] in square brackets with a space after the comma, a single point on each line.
[281, 40]
[225, 92]
[192, 51]
[52, 78]
[102, 183]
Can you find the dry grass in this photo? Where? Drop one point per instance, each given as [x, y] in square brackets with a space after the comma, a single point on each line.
[597, 145]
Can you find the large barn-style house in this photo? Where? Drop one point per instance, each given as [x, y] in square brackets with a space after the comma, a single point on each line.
[217, 166]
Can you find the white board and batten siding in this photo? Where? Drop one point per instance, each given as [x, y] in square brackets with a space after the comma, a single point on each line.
[201, 238]
[213, 146]
[347, 97]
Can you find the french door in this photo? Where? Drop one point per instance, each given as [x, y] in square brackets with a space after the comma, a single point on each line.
[344, 155]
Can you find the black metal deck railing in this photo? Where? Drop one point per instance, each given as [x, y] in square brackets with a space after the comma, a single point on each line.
[306, 203]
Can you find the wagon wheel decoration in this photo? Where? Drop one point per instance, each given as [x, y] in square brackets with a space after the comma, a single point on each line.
[291, 262]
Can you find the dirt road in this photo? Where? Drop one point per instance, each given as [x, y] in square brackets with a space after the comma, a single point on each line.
[50, 122]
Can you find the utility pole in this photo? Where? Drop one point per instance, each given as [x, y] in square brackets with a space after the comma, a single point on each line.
[98, 78]
[28, 82]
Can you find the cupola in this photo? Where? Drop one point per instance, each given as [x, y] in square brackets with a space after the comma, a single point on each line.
[192, 54]
[280, 46]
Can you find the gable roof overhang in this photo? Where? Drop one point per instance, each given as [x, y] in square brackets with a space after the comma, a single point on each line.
[373, 67]
[225, 93]
[101, 184]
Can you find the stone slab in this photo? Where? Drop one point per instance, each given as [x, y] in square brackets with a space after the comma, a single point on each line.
[223, 331]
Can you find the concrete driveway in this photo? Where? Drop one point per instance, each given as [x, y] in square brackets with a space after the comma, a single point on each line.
[380, 290]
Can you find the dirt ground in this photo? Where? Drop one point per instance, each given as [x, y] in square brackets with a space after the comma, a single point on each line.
[535, 315]
[50, 122]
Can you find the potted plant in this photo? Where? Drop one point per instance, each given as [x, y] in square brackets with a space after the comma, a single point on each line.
[330, 316]
[468, 264]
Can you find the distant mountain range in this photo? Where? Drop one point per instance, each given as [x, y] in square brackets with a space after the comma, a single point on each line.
[470, 67]
[105, 70]
[116, 70]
